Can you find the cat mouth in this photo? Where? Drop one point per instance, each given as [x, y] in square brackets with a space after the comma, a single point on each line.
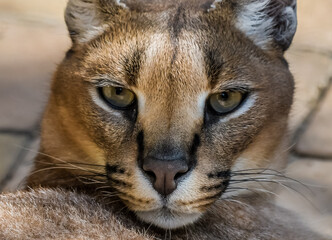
[166, 218]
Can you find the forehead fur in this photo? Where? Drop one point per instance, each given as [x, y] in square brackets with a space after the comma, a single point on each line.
[268, 23]
[161, 5]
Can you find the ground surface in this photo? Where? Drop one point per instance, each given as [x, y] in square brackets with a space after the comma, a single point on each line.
[33, 39]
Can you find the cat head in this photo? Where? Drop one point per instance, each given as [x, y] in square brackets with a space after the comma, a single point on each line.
[170, 101]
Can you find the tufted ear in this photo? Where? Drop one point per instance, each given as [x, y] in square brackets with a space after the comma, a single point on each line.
[268, 23]
[85, 19]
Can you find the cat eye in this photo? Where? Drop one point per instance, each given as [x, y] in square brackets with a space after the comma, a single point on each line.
[226, 101]
[118, 97]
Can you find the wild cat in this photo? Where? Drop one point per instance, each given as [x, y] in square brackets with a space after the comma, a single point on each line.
[170, 117]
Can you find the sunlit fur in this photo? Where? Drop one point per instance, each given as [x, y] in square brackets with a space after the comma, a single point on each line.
[58, 214]
[173, 55]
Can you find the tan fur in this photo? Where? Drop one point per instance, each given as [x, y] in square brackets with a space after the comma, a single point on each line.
[57, 214]
[173, 55]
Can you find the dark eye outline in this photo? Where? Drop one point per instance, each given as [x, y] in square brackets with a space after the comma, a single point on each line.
[245, 95]
[131, 106]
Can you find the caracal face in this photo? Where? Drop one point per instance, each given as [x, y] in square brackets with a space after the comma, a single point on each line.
[171, 103]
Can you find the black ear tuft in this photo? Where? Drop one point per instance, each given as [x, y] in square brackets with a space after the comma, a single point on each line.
[268, 23]
[285, 25]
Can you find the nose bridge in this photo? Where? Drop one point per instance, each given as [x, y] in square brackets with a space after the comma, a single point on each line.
[172, 80]
[170, 123]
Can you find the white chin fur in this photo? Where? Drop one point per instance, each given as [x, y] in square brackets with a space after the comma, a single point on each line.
[165, 219]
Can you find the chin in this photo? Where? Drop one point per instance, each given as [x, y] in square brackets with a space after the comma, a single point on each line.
[167, 219]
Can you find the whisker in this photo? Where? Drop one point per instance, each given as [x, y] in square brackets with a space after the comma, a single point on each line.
[257, 169]
[279, 174]
[111, 202]
[288, 188]
[67, 168]
[253, 190]
[146, 230]
[50, 156]
[185, 228]
[277, 181]
[121, 208]
[104, 198]
[103, 187]
[93, 181]
[289, 148]
[51, 168]
[109, 194]
[74, 163]
[236, 201]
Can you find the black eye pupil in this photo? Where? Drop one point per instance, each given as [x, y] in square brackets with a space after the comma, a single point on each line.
[118, 91]
[224, 95]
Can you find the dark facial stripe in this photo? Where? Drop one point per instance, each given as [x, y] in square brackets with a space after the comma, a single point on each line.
[220, 186]
[213, 65]
[132, 66]
[222, 174]
[116, 183]
[140, 147]
[112, 169]
[197, 201]
[140, 141]
[176, 24]
[211, 188]
[195, 144]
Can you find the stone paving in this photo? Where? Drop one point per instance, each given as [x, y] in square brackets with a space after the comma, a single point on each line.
[33, 39]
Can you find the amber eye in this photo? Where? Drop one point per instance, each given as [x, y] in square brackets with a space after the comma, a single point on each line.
[226, 101]
[118, 97]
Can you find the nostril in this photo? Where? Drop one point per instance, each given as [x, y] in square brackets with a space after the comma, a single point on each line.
[151, 175]
[181, 173]
[178, 175]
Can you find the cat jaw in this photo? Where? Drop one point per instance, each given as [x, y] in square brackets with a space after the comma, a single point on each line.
[166, 219]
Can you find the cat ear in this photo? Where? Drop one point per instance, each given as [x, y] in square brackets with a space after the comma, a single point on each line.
[85, 18]
[268, 23]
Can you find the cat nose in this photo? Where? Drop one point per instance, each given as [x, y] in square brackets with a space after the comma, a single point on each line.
[165, 173]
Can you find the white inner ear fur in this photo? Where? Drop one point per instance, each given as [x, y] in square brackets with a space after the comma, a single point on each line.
[83, 18]
[254, 21]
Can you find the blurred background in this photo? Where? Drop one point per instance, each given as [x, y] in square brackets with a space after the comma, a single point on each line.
[33, 40]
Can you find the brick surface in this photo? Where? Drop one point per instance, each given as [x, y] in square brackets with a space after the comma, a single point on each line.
[314, 205]
[10, 146]
[29, 54]
[311, 72]
[317, 139]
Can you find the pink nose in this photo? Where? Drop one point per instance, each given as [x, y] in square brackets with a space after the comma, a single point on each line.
[166, 173]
